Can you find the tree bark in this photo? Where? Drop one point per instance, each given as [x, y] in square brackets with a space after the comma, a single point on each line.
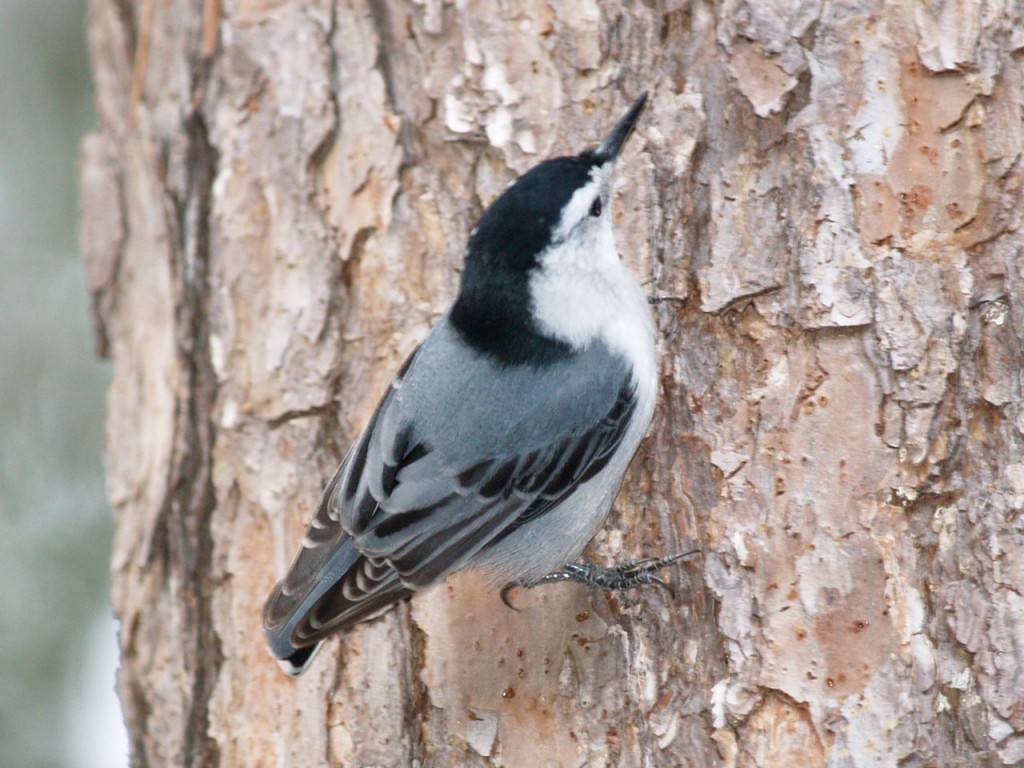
[274, 210]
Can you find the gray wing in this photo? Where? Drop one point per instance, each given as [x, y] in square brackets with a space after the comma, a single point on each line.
[460, 452]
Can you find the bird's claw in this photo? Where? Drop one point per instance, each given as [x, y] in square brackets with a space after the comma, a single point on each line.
[504, 594]
[627, 575]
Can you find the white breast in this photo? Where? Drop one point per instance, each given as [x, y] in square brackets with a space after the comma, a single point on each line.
[583, 292]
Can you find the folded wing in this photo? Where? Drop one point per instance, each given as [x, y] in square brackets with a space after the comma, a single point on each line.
[454, 459]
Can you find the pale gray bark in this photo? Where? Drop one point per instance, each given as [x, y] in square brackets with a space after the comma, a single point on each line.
[274, 210]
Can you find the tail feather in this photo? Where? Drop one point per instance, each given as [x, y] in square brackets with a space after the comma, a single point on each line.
[356, 598]
[292, 600]
[345, 589]
[297, 663]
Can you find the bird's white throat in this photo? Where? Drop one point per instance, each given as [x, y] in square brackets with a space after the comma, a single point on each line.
[582, 291]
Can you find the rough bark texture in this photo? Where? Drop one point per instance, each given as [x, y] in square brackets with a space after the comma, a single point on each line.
[274, 210]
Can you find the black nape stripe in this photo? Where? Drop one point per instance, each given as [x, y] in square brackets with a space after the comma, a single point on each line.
[503, 330]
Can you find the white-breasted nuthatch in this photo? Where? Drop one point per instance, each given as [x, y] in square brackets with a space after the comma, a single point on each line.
[503, 440]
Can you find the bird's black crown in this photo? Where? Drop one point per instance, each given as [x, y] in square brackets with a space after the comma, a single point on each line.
[492, 311]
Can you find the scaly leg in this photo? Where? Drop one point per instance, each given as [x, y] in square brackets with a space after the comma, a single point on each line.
[624, 576]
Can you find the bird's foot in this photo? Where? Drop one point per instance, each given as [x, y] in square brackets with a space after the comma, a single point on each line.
[627, 575]
[666, 299]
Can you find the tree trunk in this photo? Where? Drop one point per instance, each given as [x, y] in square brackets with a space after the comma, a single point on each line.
[274, 211]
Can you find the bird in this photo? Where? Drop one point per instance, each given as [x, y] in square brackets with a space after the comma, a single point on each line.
[503, 439]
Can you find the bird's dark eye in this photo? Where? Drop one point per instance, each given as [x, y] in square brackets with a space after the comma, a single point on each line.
[595, 207]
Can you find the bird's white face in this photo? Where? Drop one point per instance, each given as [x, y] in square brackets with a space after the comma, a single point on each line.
[581, 288]
[579, 216]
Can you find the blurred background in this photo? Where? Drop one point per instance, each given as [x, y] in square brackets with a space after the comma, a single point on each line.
[57, 648]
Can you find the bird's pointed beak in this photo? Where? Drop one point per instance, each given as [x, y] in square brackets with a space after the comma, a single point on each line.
[610, 147]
